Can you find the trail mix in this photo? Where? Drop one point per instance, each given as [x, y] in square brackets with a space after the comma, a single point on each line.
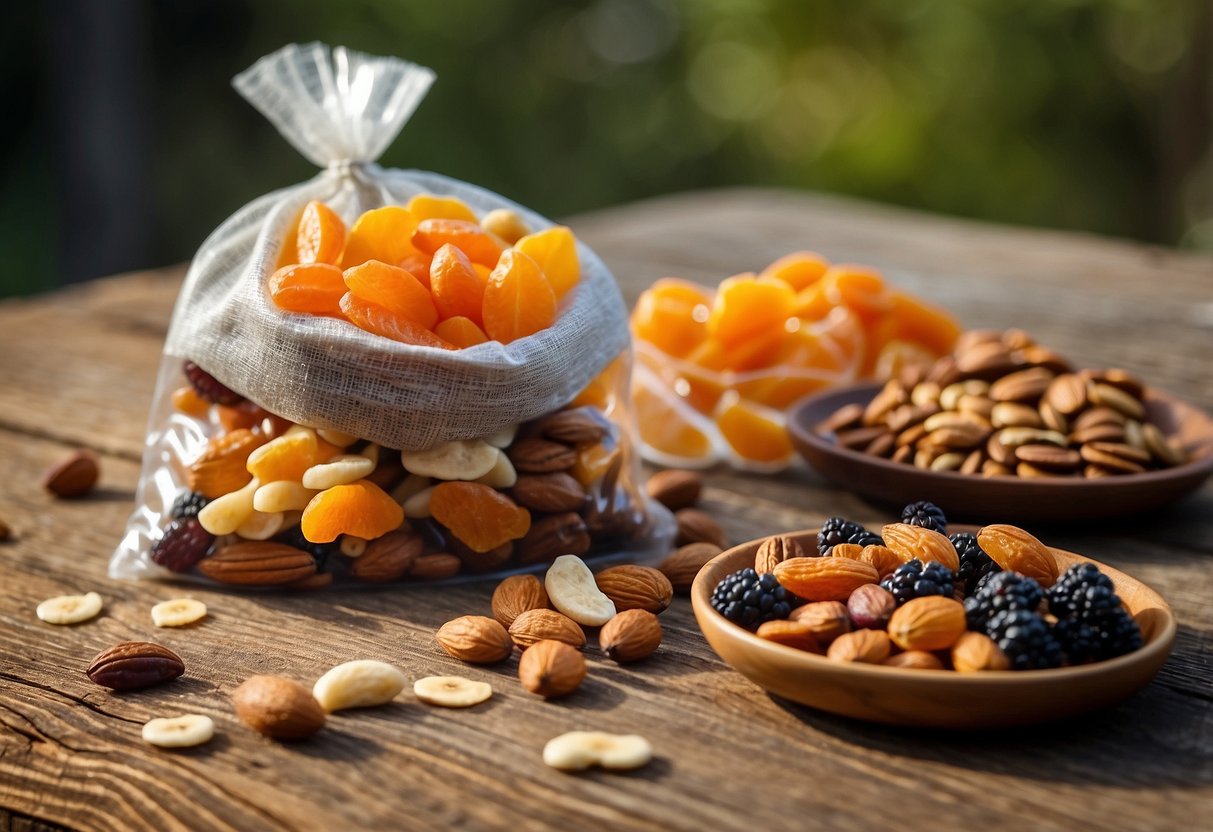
[913, 597]
[270, 503]
[1002, 405]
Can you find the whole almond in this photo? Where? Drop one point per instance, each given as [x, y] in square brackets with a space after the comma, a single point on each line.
[884, 559]
[517, 594]
[684, 563]
[134, 665]
[914, 660]
[221, 469]
[388, 558]
[1015, 550]
[5, 531]
[1022, 386]
[636, 588]
[1015, 415]
[574, 426]
[929, 623]
[824, 579]
[478, 563]
[435, 567]
[1049, 457]
[1163, 449]
[74, 476]
[1121, 379]
[909, 542]
[553, 536]
[847, 416]
[556, 492]
[258, 563]
[675, 489]
[988, 361]
[279, 708]
[796, 634]
[775, 550]
[826, 620]
[536, 625]
[630, 636]
[1067, 394]
[1106, 395]
[891, 396]
[539, 456]
[551, 669]
[974, 652]
[845, 550]
[695, 526]
[866, 646]
[476, 639]
[871, 606]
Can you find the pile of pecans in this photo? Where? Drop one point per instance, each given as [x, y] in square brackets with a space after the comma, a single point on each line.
[1002, 405]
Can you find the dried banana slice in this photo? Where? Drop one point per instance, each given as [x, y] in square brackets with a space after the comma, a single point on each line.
[452, 691]
[578, 750]
[571, 589]
[179, 731]
[69, 609]
[178, 612]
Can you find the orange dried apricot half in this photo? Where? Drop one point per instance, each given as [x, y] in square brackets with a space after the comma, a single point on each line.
[387, 324]
[518, 300]
[754, 432]
[479, 245]
[672, 315]
[394, 289]
[321, 235]
[747, 306]
[434, 207]
[383, 234]
[359, 508]
[481, 517]
[458, 290]
[461, 332]
[314, 288]
[555, 250]
[800, 269]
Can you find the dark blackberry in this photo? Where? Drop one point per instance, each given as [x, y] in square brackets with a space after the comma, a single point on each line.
[749, 599]
[866, 538]
[1026, 639]
[975, 564]
[1092, 623]
[1000, 592]
[925, 514]
[1082, 591]
[209, 387]
[914, 579]
[185, 543]
[834, 531]
[188, 504]
[320, 551]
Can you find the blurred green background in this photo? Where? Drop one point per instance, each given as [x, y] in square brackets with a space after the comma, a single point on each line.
[126, 145]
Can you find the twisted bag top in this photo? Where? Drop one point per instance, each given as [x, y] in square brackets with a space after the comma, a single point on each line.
[341, 110]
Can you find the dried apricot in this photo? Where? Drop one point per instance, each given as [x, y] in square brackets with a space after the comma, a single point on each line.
[187, 400]
[672, 315]
[481, 517]
[923, 324]
[479, 245]
[434, 207]
[394, 289]
[359, 508]
[593, 461]
[675, 431]
[458, 290]
[800, 269]
[461, 332]
[747, 306]
[754, 432]
[314, 288]
[320, 237]
[555, 250]
[418, 265]
[387, 324]
[518, 300]
[858, 288]
[285, 458]
[383, 234]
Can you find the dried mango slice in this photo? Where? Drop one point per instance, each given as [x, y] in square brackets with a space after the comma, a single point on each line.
[461, 332]
[800, 269]
[755, 433]
[748, 307]
[672, 315]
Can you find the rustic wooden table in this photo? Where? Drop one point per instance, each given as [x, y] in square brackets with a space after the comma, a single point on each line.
[76, 369]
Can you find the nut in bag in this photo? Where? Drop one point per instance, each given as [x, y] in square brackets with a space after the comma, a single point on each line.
[384, 375]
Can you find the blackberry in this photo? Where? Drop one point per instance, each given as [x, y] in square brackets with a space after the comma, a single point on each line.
[866, 538]
[1001, 592]
[914, 579]
[209, 387]
[1082, 591]
[975, 564]
[187, 504]
[1092, 623]
[1025, 637]
[749, 599]
[834, 531]
[925, 514]
[320, 551]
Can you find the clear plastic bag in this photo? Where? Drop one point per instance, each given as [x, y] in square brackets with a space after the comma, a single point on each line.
[338, 392]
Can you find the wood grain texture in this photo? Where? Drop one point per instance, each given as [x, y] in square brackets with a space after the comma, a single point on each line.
[77, 368]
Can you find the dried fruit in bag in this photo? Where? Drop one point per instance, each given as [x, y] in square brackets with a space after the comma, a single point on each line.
[361, 509]
[320, 237]
[457, 288]
[383, 234]
[518, 300]
[479, 245]
[387, 324]
[555, 250]
[315, 288]
[481, 517]
[394, 289]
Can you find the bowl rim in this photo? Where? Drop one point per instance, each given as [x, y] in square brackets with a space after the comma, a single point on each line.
[1161, 641]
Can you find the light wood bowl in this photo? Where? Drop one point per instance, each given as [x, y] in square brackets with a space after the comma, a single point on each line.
[936, 698]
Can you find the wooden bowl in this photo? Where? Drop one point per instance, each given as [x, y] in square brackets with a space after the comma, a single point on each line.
[935, 698]
[1010, 499]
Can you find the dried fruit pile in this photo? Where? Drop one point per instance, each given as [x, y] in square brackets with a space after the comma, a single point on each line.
[717, 368]
[427, 273]
[912, 597]
[1002, 405]
[269, 503]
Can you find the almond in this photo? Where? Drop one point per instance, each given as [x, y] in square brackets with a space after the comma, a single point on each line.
[866, 646]
[684, 563]
[975, 652]
[388, 558]
[539, 456]
[574, 426]
[221, 469]
[636, 588]
[74, 476]
[845, 550]
[436, 567]
[477, 639]
[556, 492]
[826, 620]
[909, 542]
[675, 489]
[536, 625]
[1017, 551]
[630, 636]
[795, 634]
[552, 536]
[775, 550]
[1067, 394]
[258, 563]
[695, 526]
[551, 669]
[884, 559]
[517, 594]
[824, 579]
[1022, 386]
[277, 707]
[914, 660]
[929, 623]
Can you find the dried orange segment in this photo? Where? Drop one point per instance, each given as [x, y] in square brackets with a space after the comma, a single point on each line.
[518, 300]
[394, 289]
[457, 288]
[387, 324]
[186, 400]
[858, 288]
[800, 269]
[418, 265]
[754, 432]
[479, 245]
[747, 306]
[461, 332]
[481, 517]
[383, 234]
[321, 235]
[314, 288]
[359, 508]
[668, 429]
[432, 207]
[555, 250]
[285, 458]
[672, 315]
